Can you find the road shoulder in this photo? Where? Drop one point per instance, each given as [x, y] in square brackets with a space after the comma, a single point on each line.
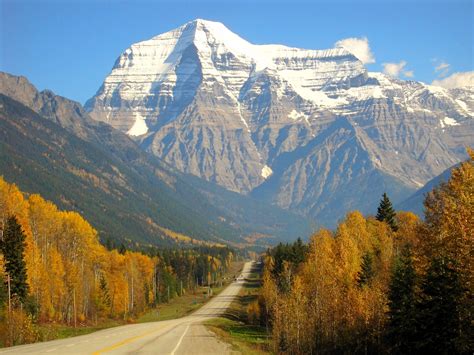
[235, 328]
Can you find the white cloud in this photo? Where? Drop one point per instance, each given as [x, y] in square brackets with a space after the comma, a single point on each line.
[442, 66]
[394, 69]
[359, 47]
[456, 80]
[397, 69]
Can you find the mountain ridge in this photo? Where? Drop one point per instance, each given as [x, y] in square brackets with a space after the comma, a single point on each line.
[216, 106]
[415, 202]
[157, 196]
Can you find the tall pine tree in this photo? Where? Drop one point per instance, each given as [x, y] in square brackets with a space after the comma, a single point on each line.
[439, 316]
[13, 247]
[402, 325]
[386, 213]
[366, 273]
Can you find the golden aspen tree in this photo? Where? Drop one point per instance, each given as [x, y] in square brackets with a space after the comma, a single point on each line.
[448, 233]
[43, 221]
[118, 286]
[299, 324]
[74, 279]
[56, 287]
[408, 225]
[12, 202]
[269, 290]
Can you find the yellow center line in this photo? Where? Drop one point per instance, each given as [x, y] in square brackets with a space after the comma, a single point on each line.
[127, 341]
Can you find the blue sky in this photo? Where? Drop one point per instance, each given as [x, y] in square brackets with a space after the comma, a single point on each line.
[70, 46]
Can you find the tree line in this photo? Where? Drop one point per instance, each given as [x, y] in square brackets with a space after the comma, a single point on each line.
[386, 284]
[54, 269]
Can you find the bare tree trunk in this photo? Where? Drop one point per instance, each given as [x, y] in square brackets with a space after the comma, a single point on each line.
[74, 305]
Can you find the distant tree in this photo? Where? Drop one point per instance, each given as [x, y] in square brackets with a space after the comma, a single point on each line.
[72, 277]
[122, 249]
[287, 257]
[401, 328]
[13, 247]
[386, 213]
[269, 291]
[439, 315]
[299, 251]
[367, 270]
[109, 244]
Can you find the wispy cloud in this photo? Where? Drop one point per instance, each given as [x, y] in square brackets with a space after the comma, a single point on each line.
[359, 47]
[441, 68]
[456, 80]
[397, 69]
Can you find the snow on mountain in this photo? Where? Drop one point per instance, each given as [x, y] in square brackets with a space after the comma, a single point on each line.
[139, 126]
[208, 52]
[294, 126]
[266, 171]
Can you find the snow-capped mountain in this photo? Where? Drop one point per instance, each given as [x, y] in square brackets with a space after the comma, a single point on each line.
[310, 130]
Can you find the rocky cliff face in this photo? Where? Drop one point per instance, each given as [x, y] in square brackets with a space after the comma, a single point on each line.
[310, 130]
[50, 145]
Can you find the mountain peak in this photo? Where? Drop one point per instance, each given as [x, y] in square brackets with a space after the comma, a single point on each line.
[204, 34]
[288, 124]
[203, 22]
[202, 53]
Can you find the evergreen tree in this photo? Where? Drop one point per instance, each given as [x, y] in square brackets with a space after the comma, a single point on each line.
[109, 244]
[402, 305]
[12, 247]
[3, 293]
[299, 251]
[439, 308]
[104, 291]
[367, 270]
[122, 249]
[386, 213]
[294, 254]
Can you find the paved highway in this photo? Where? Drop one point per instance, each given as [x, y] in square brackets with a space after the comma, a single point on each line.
[178, 336]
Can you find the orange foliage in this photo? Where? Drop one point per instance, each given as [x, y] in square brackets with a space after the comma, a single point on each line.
[65, 262]
[326, 304]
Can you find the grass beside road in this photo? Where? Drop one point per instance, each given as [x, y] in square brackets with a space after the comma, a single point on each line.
[234, 327]
[244, 338]
[189, 302]
[52, 331]
[177, 307]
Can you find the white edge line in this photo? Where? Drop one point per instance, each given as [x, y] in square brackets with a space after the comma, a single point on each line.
[180, 340]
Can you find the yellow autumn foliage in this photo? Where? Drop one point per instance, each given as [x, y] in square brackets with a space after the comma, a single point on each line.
[65, 262]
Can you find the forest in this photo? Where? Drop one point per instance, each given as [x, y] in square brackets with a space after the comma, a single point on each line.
[53, 269]
[392, 283]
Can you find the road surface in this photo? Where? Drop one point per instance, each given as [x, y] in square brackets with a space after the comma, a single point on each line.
[177, 336]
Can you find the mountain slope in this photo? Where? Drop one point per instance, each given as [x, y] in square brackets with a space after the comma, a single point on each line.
[414, 203]
[88, 166]
[216, 106]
